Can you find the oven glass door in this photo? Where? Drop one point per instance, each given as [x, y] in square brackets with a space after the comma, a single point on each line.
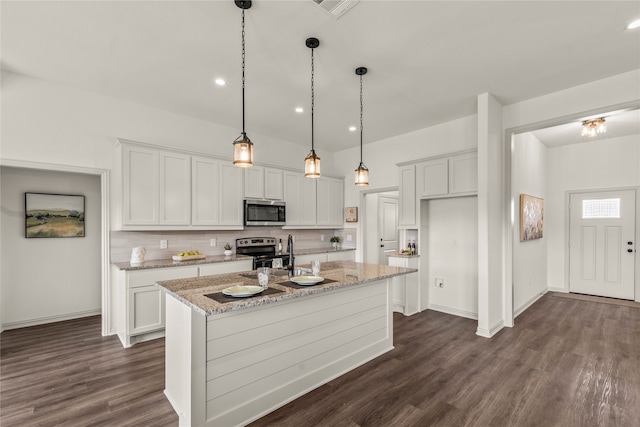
[268, 262]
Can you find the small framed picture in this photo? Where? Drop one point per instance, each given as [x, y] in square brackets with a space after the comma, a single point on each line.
[351, 214]
[53, 215]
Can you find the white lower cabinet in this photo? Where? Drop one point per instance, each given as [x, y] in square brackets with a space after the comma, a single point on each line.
[406, 289]
[346, 255]
[140, 304]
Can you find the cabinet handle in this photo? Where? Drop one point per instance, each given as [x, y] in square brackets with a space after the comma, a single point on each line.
[629, 250]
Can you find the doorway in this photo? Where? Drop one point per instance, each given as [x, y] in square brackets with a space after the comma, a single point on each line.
[379, 224]
[601, 243]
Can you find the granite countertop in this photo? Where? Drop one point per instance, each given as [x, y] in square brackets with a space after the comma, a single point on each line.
[401, 255]
[163, 263]
[340, 274]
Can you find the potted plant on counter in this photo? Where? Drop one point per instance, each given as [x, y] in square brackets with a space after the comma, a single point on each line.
[227, 250]
[335, 242]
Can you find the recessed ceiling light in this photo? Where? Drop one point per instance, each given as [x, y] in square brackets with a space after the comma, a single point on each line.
[220, 82]
[635, 24]
[299, 109]
[352, 128]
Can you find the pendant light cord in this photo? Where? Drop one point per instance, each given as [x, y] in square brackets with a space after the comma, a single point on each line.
[243, 58]
[312, 98]
[361, 107]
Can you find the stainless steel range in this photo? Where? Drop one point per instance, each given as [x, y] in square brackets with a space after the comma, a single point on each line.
[263, 251]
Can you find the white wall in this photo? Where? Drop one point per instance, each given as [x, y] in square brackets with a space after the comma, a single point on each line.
[48, 279]
[452, 254]
[529, 258]
[597, 164]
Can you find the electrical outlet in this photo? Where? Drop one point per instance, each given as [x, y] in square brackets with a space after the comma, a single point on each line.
[163, 244]
[213, 242]
[439, 283]
[322, 237]
[349, 238]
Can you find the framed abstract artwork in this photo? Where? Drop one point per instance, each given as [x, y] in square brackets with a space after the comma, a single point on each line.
[531, 217]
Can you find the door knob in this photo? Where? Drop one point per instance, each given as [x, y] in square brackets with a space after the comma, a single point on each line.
[629, 250]
[629, 243]
[382, 246]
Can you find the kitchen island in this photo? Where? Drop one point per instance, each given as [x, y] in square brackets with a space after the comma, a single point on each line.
[230, 361]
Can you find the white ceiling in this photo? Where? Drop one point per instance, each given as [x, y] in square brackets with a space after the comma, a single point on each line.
[427, 60]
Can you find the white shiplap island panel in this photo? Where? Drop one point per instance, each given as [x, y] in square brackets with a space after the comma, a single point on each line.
[230, 368]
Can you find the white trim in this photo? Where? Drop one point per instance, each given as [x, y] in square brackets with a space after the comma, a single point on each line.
[453, 311]
[491, 332]
[49, 319]
[529, 303]
[104, 232]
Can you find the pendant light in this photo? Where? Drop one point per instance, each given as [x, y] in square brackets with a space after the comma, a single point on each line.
[362, 173]
[312, 161]
[243, 147]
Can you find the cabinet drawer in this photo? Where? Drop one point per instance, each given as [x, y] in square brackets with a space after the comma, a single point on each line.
[150, 277]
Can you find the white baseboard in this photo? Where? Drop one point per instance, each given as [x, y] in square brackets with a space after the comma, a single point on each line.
[561, 290]
[489, 333]
[454, 311]
[50, 319]
[519, 310]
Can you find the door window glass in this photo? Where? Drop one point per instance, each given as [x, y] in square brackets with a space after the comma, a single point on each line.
[601, 208]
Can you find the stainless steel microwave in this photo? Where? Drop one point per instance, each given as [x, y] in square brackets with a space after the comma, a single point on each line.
[264, 213]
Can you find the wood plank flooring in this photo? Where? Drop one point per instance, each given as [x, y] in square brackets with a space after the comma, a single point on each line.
[566, 362]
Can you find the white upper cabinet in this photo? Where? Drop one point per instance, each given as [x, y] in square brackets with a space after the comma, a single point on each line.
[330, 201]
[230, 194]
[463, 173]
[300, 199]
[432, 177]
[175, 188]
[205, 191]
[140, 170]
[156, 187]
[407, 202]
[263, 183]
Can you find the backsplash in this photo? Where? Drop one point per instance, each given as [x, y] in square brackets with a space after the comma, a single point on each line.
[122, 242]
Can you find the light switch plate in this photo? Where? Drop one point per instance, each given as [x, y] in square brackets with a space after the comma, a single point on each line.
[163, 244]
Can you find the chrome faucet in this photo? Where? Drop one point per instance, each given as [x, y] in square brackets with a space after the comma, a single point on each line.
[291, 257]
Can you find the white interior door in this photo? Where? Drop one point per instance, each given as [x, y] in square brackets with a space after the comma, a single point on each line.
[601, 243]
[388, 222]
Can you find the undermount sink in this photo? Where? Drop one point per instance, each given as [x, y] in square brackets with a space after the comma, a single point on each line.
[297, 271]
[274, 272]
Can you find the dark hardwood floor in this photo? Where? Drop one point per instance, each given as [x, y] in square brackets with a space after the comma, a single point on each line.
[566, 363]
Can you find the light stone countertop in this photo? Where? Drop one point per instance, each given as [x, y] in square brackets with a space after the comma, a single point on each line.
[164, 263]
[192, 291]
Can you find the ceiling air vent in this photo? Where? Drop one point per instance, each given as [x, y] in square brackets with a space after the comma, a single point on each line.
[337, 8]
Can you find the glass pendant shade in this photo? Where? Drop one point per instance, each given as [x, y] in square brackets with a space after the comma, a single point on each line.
[312, 165]
[243, 151]
[592, 128]
[362, 175]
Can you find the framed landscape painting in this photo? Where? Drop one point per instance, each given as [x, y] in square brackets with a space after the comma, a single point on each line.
[53, 215]
[531, 217]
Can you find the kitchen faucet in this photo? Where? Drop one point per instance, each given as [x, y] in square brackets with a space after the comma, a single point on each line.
[291, 257]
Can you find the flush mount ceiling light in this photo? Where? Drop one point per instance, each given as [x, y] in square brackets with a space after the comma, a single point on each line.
[633, 25]
[362, 173]
[312, 161]
[594, 127]
[243, 147]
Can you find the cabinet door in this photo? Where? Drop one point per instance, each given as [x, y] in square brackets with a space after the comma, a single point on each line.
[463, 173]
[432, 178]
[175, 188]
[330, 201]
[231, 186]
[407, 217]
[225, 267]
[254, 182]
[146, 310]
[205, 193]
[140, 186]
[273, 187]
[300, 197]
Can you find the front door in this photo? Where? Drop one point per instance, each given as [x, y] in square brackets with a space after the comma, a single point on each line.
[388, 223]
[601, 243]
